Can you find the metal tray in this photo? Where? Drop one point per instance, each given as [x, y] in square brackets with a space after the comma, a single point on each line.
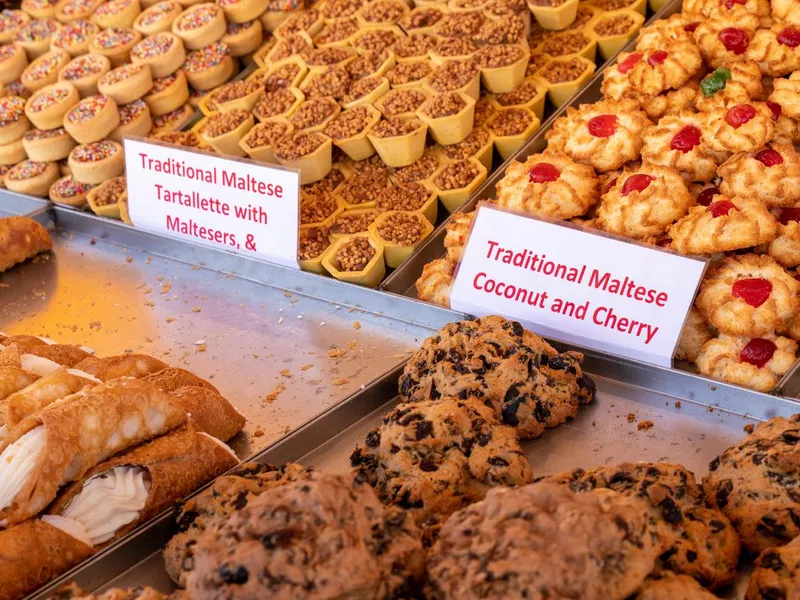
[12, 204]
[685, 431]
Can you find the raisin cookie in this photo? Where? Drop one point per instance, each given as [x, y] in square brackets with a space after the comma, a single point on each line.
[755, 484]
[212, 506]
[529, 385]
[436, 457]
[777, 573]
[323, 537]
[544, 541]
[772, 175]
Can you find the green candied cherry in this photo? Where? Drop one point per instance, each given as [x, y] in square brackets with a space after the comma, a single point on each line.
[715, 82]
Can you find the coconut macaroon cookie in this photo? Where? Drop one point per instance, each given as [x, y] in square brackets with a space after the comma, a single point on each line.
[126, 83]
[69, 191]
[164, 53]
[92, 119]
[13, 122]
[94, 163]
[549, 184]
[167, 94]
[157, 18]
[84, 72]
[44, 70]
[776, 49]
[13, 61]
[47, 146]
[73, 38]
[46, 108]
[739, 128]
[200, 25]
[725, 40]
[209, 67]
[736, 83]
[134, 120]
[116, 44]
[30, 177]
[117, 13]
[771, 175]
[785, 248]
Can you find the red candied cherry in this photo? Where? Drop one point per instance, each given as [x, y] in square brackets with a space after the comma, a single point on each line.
[776, 110]
[706, 197]
[769, 157]
[754, 291]
[636, 183]
[543, 173]
[758, 352]
[657, 57]
[739, 115]
[686, 139]
[720, 208]
[691, 27]
[603, 126]
[789, 37]
[610, 184]
[664, 242]
[627, 64]
[729, 4]
[735, 40]
[791, 213]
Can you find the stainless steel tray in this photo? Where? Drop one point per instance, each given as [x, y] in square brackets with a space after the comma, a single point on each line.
[12, 204]
[685, 431]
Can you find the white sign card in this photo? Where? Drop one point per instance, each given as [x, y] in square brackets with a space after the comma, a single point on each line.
[580, 287]
[234, 204]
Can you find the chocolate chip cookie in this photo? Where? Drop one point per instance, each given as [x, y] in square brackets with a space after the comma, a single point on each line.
[697, 540]
[524, 380]
[210, 507]
[756, 484]
[544, 541]
[436, 457]
[777, 574]
[327, 536]
[72, 591]
[670, 586]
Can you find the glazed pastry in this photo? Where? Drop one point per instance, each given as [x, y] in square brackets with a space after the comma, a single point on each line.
[33, 178]
[785, 248]
[126, 83]
[92, 119]
[68, 191]
[752, 484]
[770, 175]
[337, 522]
[167, 94]
[776, 49]
[11, 21]
[695, 333]
[115, 367]
[243, 38]
[163, 52]
[549, 184]
[777, 572]
[209, 67]
[22, 238]
[174, 120]
[200, 25]
[116, 44]
[67, 11]
[96, 162]
[604, 135]
[212, 506]
[644, 202]
[117, 13]
[725, 224]
[733, 84]
[44, 70]
[680, 142]
[13, 61]
[786, 94]
[35, 36]
[13, 122]
[725, 40]
[157, 18]
[74, 38]
[84, 72]
[134, 120]
[47, 107]
[739, 128]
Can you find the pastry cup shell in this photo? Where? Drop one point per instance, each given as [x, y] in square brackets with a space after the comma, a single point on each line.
[316, 69]
[78, 201]
[159, 26]
[170, 98]
[246, 102]
[35, 48]
[52, 117]
[98, 171]
[167, 63]
[395, 254]
[359, 147]
[452, 128]
[123, 18]
[335, 110]
[50, 78]
[369, 276]
[35, 186]
[272, 19]
[12, 153]
[260, 55]
[484, 154]
[11, 69]
[472, 88]
[453, 199]
[361, 32]
[313, 166]
[439, 59]
[536, 104]
[298, 79]
[187, 112]
[118, 55]
[499, 80]
[314, 265]
[370, 98]
[227, 143]
[364, 24]
[380, 104]
[401, 150]
[556, 17]
[138, 127]
[200, 37]
[134, 87]
[264, 153]
[211, 77]
[246, 41]
[611, 44]
[111, 211]
[87, 86]
[244, 10]
[348, 211]
[299, 98]
[560, 93]
[96, 128]
[507, 145]
[312, 30]
[639, 6]
[49, 149]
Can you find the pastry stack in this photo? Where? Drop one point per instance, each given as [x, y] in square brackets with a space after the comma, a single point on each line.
[90, 448]
[692, 149]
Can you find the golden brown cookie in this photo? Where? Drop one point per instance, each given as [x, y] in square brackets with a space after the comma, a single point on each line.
[772, 175]
[739, 128]
[736, 83]
[776, 49]
[695, 333]
[436, 281]
[724, 40]
[786, 94]
[785, 248]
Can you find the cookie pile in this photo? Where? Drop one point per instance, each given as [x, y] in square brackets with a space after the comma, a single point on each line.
[691, 149]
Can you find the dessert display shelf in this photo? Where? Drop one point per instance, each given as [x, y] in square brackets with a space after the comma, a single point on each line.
[684, 431]
[12, 204]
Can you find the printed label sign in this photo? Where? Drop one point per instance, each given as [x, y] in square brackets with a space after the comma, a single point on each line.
[578, 287]
[232, 204]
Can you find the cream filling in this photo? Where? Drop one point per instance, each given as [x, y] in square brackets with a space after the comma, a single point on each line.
[17, 463]
[219, 443]
[109, 501]
[48, 341]
[87, 349]
[68, 526]
[38, 365]
[84, 374]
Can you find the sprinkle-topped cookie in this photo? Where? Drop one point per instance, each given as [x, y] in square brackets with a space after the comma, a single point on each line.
[7, 52]
[169, 118]
[157, 13]
[46, 66]
[199, 17]
[162, 83]
[74, 33]
[15, 88]
[11, 20]
[129, 112]
[234, 28]
[37, 29]
[114, 38]
[205, 58]
[48, 98]
[112, 8]
[80, 7]
[26, 169]
[12, 108]
[121, 74]
[155, 45]
[82, 67]
[44, 134]
[69, 187]
[94, 152]
[87, 108]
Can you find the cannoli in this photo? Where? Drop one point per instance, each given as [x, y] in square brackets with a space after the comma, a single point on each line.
[173, 378]
[210, 411]
[63, 442]
[13, 379]
[65, 355]
[125, 365]
[21, 238]
[25, 342]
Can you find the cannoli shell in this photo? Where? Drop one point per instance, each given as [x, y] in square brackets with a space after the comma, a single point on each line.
[14, 379]
[63, 354]
[24, 342]
[21, 238]
[85, 429]
[211, 412]
[124, 365]
[40, 394]
[179, 463]
[172, 378]
[33, 553]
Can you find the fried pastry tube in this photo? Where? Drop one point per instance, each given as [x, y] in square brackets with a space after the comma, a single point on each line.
[13, 379]
[108, 502]
[26, 342]
[124, 365]
[172, 378]
[61, 354]
[72, 591]
[65, 440]
[21, 238]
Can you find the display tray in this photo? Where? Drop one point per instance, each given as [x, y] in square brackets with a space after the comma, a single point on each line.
[12, 204]
[684, 430]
